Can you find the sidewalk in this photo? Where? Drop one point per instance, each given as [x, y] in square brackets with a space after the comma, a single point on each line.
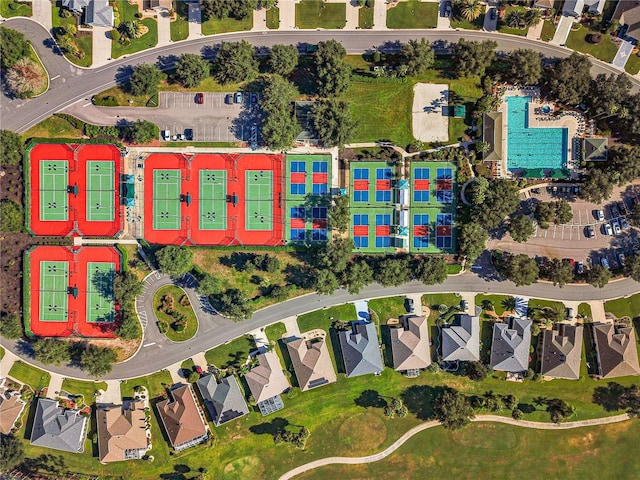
[7, 362]
[535, 32]
[41, 13]
[353, 13]
[291, 324]
[101, 46]
[562, 32]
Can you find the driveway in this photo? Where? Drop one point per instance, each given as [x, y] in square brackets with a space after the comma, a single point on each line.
[562, 32]
[195, 21]
[379, 15]
[489, 24]
[444, 22]
[623, 54]
[101, 46]
[164, 28]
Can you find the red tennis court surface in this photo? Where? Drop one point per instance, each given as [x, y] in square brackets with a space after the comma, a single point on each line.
[212, 213]
[73, 218]
[76, 288]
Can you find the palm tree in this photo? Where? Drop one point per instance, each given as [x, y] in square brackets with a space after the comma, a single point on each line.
[516, 19]
[509, 304]
[470, 9]
[533, 17]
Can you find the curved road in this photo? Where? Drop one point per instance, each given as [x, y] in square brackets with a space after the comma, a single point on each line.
[77, 84]
[420, 428]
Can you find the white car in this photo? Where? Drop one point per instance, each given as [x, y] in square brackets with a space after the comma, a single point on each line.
[600, 215]
[616, 227]
[607, 229]
[624, 224]
[604, 262]
[621, 258]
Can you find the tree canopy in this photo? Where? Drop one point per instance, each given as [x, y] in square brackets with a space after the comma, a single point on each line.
[13, 47]
[25, 78]
[570, 78]
[283, 59]
[339, 213]
[279, 126]
[358, 275]
[175, 260]
[51, 351]
[607, 94]
[429, 269]
[560, 272]
[235, 62]
[632, 267]
[473, 58]
[453, 409]
[392, 271]
[11, 326]
[333, 73]
[521, 269]
[191, 70]
[526, 67]
[11, 216]
[142, 131]
[598, 276]
[333, 122]
[97, 361]
[326, 282]
[237, 9]
[521, 228]
[11, 149]
[145, 79]
[11, 452]
[501, 199]
[417, 55]
[126, 287]
[209, 284]
[472, 238]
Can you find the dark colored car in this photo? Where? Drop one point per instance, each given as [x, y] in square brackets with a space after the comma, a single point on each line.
[188, 134]
[623, 208]
[200, 98]
[492, 14]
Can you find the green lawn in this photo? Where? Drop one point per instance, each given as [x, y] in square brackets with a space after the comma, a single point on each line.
[413, 14]
[232, 354]
[548, 31]
[192, 322]
[584, 310]
[53, 127]
[323, 318]
[273, 18]
[605, 50]
[86, 389]
[155, 383]
[34, 377]
[214, 25]
[1, 353]
[274, 332]
[12, 8]
[390, 307]
[365, 16]
[180, 26]
[318, 14]
[602, 449]
[633, 64]
[503, 28]
[148, 40]
[496, 300]
[83, 39]
[624, 307]
[477, 24]
[538, 303]
[433, 300]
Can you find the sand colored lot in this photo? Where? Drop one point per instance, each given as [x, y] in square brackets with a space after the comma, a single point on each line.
[428, 124]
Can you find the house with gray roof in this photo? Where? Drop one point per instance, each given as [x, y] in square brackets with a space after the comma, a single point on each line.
[58, 428]
[560, 351]
[510, 345]
[360, 349]
[97, 13]
[461, 339]
[311, 362]
[223, 398]
[410, 344]
[616, 350]
[573, 8]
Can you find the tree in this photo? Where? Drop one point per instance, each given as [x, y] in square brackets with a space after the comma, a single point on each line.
[145, 79]
[10, 148]
[564, 212]
[624, 164]
[126, 287]
[570, 78]
[129, 328]
[283, 59]
[208, 285]
[339, 213]
[558, 409]
[560, 272]
[532, 17]
[131, 29]
[517, 414]
[336, 255]
[51, 350]
[13, 47]
[142, 131]
[392, 271]
[597, 185]
[215, 9]
[234, 303]
[472, 239]
[634, 216]
[473, 58]
[11, 452]
[326, 282]
[279, 127]
[516, 19]
[526, 67]
[417, 55]
[521, 228]
[175, 260]
[453, 409]
[501, 199]
[521, 269]
[430, 270]
[333, 73]
[191, 69]
[235, 62]
[470, 9]
[11, 326]
[632, 267]
[97, 361]
[545, 213]
[11, 216]
[598, 276]
[359, 275]
[618, 397]
[477, 190]
[607, 94]
[25, 78]
[333, 122]
[476, 371]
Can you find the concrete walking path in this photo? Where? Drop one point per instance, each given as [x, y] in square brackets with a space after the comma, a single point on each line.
[563, 29]
[291, 324]
[353, 15]
[287, 14]
[535, 32]
[380, 15]
[41, 13]
[259, 20]
[425, 426]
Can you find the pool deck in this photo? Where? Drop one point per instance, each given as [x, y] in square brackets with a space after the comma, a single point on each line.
[536, 121]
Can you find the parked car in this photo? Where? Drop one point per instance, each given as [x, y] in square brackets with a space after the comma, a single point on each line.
[188, 134]
[580, 268]
[254, 98]
[228, 99]
[492, 14]
[604, 262]
[600, 215]
[576, 190]
[447, 9]
[200, 98]
[464, 305]
[238, 97]
[410, 305]
[615, 211]
[621, 258]
[607, 229]
[616, 227]
[624, 224]
[591, 232]
[623, 208]
[199, 370]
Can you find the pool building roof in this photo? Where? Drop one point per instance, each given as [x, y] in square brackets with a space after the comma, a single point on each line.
[492, 134]
[595, 149]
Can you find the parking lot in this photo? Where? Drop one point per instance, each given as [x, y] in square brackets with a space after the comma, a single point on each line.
[217, 119]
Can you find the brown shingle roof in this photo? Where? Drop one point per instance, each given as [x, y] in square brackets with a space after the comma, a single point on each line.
[180, 417]
[410, 344]
[120, 428]
[616, 350]
[311, 362]
[267, 379]
[11, 407]
[492, 134]
[561, 351]
[628, 13]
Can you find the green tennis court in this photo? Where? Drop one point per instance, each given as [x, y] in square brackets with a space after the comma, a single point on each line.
[53, 291]
[166, 200]
[54, 199]
[213, 200]
[100, 188]
[259, 200]
[100, 296]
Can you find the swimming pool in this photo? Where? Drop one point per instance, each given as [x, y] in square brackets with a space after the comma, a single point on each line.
[533, 148]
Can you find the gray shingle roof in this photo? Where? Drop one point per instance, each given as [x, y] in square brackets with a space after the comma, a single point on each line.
[99, 14]
[224, 400]
[360, 350]
[510, 346]
[461, 339]
[561, 351]
[57, 428]
[616, 350]
[410, 344]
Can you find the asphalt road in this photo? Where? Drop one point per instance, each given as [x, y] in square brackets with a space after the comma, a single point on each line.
[77, 84]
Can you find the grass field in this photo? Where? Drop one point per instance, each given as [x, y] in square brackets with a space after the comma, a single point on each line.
[605, 50]
[433, 300]
[148, 40]
[413, 14]
[214, 25]
[459, 22]
[624, 307]
[1, 353]
[34, 377]
[180, 26]
[273, 18]
[86, 389]
[365, 17]
[192, 322]
[53, 127]
[548, 31]
[154, 383]
[386, 308]
[584, 310]
[537, 303]
[633, 64]
[496, 300]
[274, 334]
[318, 14]
[232, 354]
[83, 39]
[12, 8]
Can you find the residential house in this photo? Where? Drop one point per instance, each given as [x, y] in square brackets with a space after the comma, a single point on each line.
[223, 398]
[182, 419]
[596, 7]
[628, 14]
[122, 432]
[545, 4]
[560, 351]
[58, 428]
[595, 149]
[410, 345]
[266, 382]
[360, 349]
[11, 407]
[97, 13]
[311, 361]
[510, 345]
[160, 5]
[461, 339]
[573, 8]
[616, 350]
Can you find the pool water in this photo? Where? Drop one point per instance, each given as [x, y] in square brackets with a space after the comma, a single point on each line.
[532, 148]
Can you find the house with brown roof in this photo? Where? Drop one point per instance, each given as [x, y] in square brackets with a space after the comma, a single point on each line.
[410, 345]
[11, 407]
[616, 350]
[311, 362]
[628, 14]
[266, 382]
[122, 432]
[561, 350]
[181, 418]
